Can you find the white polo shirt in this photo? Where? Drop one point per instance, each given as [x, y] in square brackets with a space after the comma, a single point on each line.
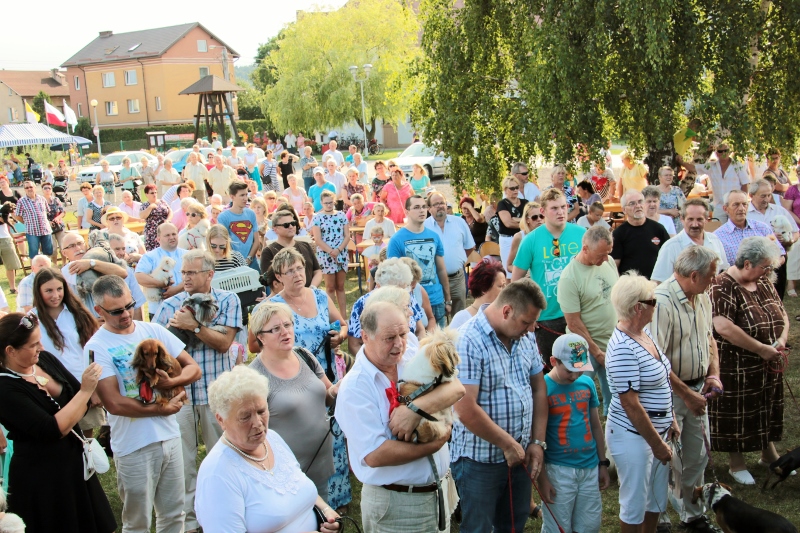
[456, 239]
[671, 249]
[362, 410]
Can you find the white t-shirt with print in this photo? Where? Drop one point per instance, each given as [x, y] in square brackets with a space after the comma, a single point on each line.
[114, 353]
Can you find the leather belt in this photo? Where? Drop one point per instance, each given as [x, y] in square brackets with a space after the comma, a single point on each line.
[412, 489]
[454, 274]
[694, 382]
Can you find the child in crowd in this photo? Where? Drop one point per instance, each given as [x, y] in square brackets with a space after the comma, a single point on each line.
[594, 216]
[576, 469]
[371, 252]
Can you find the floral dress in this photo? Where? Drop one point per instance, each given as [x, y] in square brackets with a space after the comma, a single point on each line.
[673, 199]
[157, 217]
[310, 333]
[332, 229]
[97, 212]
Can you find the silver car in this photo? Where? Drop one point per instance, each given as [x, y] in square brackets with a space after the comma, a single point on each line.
[435, 163]
[88, 174]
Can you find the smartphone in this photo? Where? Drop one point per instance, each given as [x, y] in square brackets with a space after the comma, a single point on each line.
[91, 356]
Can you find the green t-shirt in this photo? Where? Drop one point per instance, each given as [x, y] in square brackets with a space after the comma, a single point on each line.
[536, 255]
[587, 290]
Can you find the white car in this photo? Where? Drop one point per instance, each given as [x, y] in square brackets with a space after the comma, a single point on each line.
[88, 174]
[434, 163]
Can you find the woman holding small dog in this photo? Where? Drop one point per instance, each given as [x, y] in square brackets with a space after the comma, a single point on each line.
[751, 329]
[640, 419]
[299, 392]
[66, 326]
[41, 403]
[252, 481]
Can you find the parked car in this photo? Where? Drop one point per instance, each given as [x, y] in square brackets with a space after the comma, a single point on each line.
[179, 158]
[435, 163]
[88, 174]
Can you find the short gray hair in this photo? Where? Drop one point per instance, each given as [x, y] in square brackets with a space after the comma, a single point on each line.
[695, 259]
[628, 291]
[113, 237]
[595, 235]
[516, 166]
[754, 250]
[264, 312]
[202, 255]
[651, 191]
[43, 259]
[757, 185]
[393, 272]
[286, 258]
[626, 195]
[234, 386]
[727, 196]
[392, 294]
[372, 313]
[113, 286]
[521, 295]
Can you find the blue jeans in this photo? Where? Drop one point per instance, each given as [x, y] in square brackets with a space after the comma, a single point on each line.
[600, 371]
[484, 492]
[35, 241]
[439, 313]
[308, 182]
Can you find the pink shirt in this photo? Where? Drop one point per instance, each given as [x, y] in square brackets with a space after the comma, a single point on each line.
[131, 211]
[793, 194]
[396, 200]
[179, 219]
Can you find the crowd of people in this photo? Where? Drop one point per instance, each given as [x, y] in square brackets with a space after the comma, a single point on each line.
[682, 329]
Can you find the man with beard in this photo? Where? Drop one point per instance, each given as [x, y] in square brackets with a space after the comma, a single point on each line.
[638, 240]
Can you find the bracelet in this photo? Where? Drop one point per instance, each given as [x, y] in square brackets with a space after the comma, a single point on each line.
[715, 378]
[328, 508]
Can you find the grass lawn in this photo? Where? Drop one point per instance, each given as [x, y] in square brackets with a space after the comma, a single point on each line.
[783, 500]
[385, 156]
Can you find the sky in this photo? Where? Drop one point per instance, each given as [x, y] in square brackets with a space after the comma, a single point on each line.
[46, 37]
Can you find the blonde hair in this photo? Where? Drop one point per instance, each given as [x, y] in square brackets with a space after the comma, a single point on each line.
[258, 201]
[523, 222]
[628, 291]
[509, 181]
[218, 231]
[196, 207]
[264, 312]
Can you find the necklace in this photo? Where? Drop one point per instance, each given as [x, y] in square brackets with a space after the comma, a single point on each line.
[297, 307]
[258, 460]
[41, 380]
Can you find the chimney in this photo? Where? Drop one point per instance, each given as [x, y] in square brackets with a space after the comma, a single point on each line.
[106, 33]
[56, 75]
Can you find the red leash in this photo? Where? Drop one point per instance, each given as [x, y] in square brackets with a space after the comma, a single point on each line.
[511, 500]
[779, 366]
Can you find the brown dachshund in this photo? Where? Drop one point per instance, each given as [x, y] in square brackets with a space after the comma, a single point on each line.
[151, 355]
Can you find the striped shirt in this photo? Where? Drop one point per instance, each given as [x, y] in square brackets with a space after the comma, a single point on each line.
[236, 260]
[683, 331]
[732, 236]
[630, 367]
[34, 212]
[504, 387]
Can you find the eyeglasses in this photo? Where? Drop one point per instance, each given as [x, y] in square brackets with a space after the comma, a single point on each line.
[191, 273]
[112, 219]
[556, 248]
[287, 225]
[28, 188]
[651, 302]
[512, 188]
[417, 208]
[439, 204]
[73, 245]
[523, 173]
[767, 269]
[29, 321]
[117, 312]
[219, 246]
[294, 271]
[288, 326]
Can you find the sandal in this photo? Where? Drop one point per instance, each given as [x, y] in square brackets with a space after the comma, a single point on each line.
[536, 513]
[792, 293]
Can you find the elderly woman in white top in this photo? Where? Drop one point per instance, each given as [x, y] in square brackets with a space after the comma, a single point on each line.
[640, 419]
[114, 220]
[253, 481]
[130, 207]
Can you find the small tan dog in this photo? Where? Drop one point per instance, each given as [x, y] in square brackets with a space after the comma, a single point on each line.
[151, 355]
[437, 357]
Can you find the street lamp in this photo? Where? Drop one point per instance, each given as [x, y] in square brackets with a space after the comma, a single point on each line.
[96, 130]
[354, 71]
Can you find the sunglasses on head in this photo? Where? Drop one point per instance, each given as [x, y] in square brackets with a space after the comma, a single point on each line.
[556, 248]
[117, 312]
[287, 225]
[29, 321]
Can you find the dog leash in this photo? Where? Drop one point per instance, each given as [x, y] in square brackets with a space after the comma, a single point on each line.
[707, 445]
[511, 501]
[779, 366]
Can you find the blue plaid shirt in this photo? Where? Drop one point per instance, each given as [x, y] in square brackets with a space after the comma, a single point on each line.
[504, 387]
[212, 362]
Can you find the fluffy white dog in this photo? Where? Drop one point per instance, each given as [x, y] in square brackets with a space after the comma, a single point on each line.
[163, 273]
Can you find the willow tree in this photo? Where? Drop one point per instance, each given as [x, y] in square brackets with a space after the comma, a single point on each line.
[542, 79]
[314, 89]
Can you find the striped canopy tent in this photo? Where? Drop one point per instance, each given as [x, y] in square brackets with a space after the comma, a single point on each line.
[27, 134]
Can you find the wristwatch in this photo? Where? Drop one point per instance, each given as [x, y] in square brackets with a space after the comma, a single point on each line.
[539, 443]
[92, 263]
[197, 329]
[449, 302]
[605, 462]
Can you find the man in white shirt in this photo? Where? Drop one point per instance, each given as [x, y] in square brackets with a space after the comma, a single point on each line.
[146, 437]
[290, 142]
[458, 244]
[220, 177]
[725, 174]
[332, 152]
[168, 247]
[363, 169]
[528, 190]
[25, 287]
[216, 144]
[694, 214]
[74, 247]
[762, 210]
[397, 470]
[195, 170]
[337, 179]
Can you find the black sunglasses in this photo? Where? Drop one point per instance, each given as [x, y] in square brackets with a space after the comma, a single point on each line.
[287, 225]
[117, 312]
[651, 302]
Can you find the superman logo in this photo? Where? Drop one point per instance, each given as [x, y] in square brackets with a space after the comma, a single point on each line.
[241, 229]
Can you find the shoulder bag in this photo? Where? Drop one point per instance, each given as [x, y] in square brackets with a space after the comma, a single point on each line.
[95, 459]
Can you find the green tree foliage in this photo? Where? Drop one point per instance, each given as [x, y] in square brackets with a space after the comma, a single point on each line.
[249, 102]
[38, 104]
[84, 129]
[315, 89]
[265, 74]
[542, 80]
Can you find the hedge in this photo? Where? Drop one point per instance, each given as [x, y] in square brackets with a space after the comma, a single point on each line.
[135, 134]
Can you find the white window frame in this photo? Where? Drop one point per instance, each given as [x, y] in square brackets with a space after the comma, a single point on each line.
[11, 114]
[131, 103]
[158, 103]
[202, 45]
[112, 109]
[77, 83]
[128, 74]
[80, 110]
[207, 69]
[109, 76]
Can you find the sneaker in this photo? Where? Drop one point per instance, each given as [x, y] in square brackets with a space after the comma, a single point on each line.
[742, 477]
[700, 525]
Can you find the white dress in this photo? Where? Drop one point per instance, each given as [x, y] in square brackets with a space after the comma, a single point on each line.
[234, 496]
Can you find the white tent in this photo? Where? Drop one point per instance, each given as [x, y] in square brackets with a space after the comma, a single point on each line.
[27, 134]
